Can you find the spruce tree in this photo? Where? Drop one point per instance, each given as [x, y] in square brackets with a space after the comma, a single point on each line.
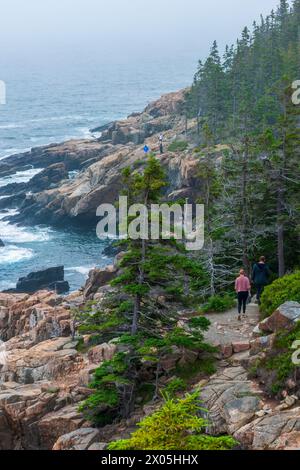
[157, 279]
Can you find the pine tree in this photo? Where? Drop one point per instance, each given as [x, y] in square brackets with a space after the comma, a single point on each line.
[282, 173]
[157, 277]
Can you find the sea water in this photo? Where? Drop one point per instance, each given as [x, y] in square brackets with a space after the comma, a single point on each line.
[53, 103]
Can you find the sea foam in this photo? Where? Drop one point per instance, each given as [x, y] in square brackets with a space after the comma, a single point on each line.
[20, 176]
[13, 254]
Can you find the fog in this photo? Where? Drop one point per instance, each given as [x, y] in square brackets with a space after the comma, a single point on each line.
[33, 29]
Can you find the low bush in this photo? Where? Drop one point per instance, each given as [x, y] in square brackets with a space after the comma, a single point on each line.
[177, 425]
[175, 385]
[178, 146]
[280, 291]
[218, 303]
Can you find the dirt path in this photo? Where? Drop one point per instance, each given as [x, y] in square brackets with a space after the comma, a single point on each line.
[226, 329]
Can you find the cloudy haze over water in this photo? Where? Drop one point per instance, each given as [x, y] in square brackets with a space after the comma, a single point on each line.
[35, 29]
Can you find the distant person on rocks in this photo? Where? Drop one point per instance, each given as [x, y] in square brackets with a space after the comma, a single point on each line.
[242, 288]
[161, 146]
[260, 276]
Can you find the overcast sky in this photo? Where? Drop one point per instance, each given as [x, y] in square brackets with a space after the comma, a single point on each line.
[128, 26]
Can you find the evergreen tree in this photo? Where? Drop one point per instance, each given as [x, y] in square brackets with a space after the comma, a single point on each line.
[157, 277]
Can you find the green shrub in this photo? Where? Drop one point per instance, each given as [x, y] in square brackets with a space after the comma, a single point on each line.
[280, 291]
[175, 426]
[175, 385]
[199, 322]
[178, 146]
[218, 303]
[201, 368]
[107, 384]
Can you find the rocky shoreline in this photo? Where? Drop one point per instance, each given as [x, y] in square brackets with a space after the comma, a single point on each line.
[52, 197]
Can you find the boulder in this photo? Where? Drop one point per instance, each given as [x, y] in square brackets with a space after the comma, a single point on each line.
[47, 360]
[262, 343]
[283, 318]
[226, 350]
[58, 423]
[81, 439]
[288, 441]
[98, 278]
[102, 352]
[51, 278]
[240, 346]
[98, 446]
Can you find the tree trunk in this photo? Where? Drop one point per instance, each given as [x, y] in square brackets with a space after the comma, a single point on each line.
[137, 300]
[244, 214]
[280, 235]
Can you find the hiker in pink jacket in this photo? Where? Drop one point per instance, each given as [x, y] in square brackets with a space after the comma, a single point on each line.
[242, 288]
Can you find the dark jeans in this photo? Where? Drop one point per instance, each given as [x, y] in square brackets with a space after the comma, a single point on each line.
[242, 301]
[260, 289]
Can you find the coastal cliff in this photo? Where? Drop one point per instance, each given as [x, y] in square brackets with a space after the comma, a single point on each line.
[51, 197]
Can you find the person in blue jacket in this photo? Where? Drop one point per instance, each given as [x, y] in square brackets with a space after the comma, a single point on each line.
[260, 276]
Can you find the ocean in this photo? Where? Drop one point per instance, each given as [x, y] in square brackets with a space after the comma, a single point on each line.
[54, 102]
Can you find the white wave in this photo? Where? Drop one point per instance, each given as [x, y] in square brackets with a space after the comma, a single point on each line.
[85, 132]
[84, 270]
[20, 176]
[11, 233]
[10, 126]
[8, 213]
[68, 117]
[73, 174]
[13, 254]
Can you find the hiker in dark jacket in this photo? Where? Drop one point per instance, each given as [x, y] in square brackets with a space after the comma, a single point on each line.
[260, 276]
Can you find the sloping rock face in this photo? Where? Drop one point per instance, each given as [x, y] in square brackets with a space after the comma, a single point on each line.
[74, 154]
[277, 431]
[236, 405]
[41, 316]
[42, 375]
[232, 400]
[78, 199]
